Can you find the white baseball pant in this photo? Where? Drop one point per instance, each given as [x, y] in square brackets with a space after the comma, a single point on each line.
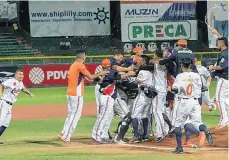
[75, 105]
[158, 109]
[103, 122]
[5, 113]
[121, 108]
[97, 97]
[141, 106]
[185, 109]
[222, 96]
[141, 110]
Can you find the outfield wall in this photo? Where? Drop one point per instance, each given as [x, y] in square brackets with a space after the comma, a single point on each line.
[51, 71]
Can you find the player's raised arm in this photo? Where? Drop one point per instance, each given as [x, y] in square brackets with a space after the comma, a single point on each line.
[26, 91]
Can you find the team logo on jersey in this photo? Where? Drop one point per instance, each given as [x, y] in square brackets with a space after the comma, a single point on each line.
[36, 75]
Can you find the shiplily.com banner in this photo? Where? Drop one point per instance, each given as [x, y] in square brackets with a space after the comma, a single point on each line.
[69, 18]
[152, 20]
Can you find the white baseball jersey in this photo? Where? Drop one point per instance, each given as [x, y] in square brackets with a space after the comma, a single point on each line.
[12, 89]
[160, 78]
[189, 85]
[144, 78]
[204, 74]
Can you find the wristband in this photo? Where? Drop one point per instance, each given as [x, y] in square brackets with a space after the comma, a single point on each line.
[208, 84]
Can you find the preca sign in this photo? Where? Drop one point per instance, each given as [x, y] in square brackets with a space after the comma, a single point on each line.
[49, 75]
[141, 31]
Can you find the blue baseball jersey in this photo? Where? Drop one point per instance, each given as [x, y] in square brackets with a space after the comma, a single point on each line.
[223, 62]
[108, 86]
[177, 56]
[127, 62]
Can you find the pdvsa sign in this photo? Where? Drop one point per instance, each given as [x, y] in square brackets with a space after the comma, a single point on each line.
[148, 31]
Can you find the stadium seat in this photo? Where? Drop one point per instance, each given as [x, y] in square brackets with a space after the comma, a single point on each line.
[10, 47]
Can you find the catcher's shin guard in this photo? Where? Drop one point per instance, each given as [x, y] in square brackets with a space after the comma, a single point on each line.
[145, 126]
[123, 126]
[167, 121]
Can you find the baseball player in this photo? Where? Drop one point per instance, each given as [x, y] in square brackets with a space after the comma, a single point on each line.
[206, 79]
[108, 96]
[222, 93]
[127, 92]
[105, 64]
[177, 56]
[9, 91]
[75, 92]
[142, 103]
[187, 87]
[160, 78]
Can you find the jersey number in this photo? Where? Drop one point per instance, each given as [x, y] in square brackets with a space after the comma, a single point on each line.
[189, 90]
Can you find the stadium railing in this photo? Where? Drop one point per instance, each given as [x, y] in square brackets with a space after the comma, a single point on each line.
[207, 57]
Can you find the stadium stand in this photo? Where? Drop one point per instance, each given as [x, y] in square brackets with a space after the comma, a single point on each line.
[10, 45]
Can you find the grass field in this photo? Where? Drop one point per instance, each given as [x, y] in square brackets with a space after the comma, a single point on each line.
[36, 139]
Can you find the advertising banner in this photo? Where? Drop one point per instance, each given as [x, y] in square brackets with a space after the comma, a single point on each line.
[49, 75]
[7, 73]
[217, 17]
[69, 18]
[150, 20]
[8, 11]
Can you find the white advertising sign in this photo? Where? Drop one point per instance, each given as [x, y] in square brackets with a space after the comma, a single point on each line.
[69, 18]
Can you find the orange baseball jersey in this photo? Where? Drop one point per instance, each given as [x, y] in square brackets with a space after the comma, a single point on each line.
[76, 75]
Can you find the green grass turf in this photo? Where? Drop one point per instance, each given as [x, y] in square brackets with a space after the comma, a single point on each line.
[57, 95]
[24, 138]
[28, 140]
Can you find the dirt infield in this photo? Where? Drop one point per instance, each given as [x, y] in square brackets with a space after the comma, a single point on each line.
[89, 109]
[48, 111]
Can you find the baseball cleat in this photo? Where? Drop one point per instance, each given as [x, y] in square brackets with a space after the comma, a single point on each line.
[135, 140]
[209, 138]
[115, 138]
[121, 142]
[187, 143]
[62, 139]
[145, 139]
[2, 144]
[159, 139]
[178, 151]
[107, 141]
[202, 137]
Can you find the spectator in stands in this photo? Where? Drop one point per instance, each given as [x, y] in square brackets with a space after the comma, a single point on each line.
[65, 44]
[15, 27]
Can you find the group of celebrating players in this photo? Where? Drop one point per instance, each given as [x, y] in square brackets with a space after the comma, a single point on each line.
[167, 89]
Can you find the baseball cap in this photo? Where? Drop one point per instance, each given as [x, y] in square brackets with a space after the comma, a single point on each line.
[105, 63]
[137, 49]
[182, 42]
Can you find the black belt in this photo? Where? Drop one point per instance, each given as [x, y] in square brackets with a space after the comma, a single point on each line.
[188, 98]
[9, 103]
